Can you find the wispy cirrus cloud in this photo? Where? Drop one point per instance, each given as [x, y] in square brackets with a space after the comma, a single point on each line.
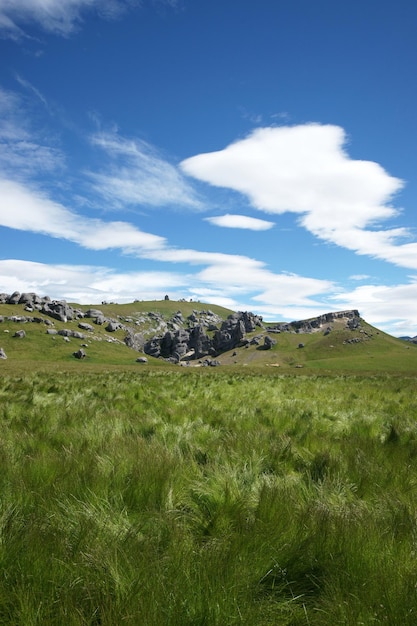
[137, 174]
[26, 84]
[240, 221]
[305, 170]
[22, 151]
[60, 17]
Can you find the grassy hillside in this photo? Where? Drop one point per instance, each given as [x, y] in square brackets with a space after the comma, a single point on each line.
[364, 350]
[361, 350]
[167, 308]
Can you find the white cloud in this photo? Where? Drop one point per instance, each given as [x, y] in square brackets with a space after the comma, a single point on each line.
[389, 307]
[85, 284]
[58, 16]
[238, 277]
[137, 174]
[21, 152]
[28, 86]
[304, 169]
[26, 209]
[359, 277]
[240, 221]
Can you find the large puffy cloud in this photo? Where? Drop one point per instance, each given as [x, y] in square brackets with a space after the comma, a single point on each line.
[305, 170]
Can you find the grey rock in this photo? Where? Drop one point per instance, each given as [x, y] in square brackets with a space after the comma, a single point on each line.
[85, 326]
[268, 342]
[112, 326]
[20, 334]
[65, 332]
[27, 298]
[3, 355]
[59, 310]
[135, 341]
[68, 332]
[14, 298]
[153, 347]
[94, 313]
[199, 341]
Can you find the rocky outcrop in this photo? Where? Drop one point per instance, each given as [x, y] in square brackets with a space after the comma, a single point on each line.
[314, 324]
[57, 309]
[195, 343]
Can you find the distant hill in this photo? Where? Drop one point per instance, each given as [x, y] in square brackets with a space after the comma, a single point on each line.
[41, 332]
[412, 339]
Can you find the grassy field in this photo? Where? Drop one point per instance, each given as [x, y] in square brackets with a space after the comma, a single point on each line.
[191, 497]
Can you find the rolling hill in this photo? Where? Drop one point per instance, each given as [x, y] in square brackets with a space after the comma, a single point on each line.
[38, 333]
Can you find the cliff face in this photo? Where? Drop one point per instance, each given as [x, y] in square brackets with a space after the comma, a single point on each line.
[351, 317]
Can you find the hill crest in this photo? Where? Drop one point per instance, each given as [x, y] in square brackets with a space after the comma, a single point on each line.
[178, 332]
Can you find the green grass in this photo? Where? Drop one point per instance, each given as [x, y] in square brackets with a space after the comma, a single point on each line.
[207, 497]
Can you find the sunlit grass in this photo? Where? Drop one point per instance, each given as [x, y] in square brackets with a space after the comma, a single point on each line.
[207, 497]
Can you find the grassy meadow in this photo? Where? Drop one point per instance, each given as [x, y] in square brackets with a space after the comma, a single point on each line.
[198, 497]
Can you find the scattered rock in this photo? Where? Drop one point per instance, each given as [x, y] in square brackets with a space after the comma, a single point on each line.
[85, 326]
[268, 342]
[113, 326]
[2, 354]
[94, 313]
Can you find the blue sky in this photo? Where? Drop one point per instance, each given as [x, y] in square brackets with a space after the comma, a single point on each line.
[258, 155]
